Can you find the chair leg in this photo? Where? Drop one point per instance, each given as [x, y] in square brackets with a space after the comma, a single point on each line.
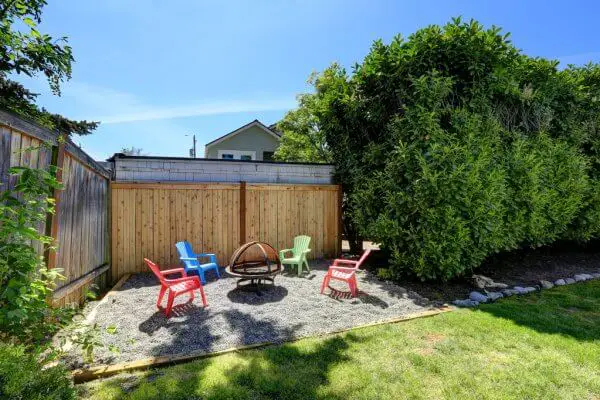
[170, 304]
[354, 286]
[217, 271]
[306, 263]
[201, 275]
[299, 268]
[161, 294]
[325, 283]
[203, 296]
[192, 296]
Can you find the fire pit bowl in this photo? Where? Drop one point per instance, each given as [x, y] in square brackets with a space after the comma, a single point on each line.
[255, 262]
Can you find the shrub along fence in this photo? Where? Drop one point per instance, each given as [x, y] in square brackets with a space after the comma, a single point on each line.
[80, 224]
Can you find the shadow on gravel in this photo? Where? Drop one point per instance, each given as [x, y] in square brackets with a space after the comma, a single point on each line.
[196, 328]
[261, 295]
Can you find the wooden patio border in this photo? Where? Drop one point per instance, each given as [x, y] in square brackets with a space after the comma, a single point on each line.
[103, 371]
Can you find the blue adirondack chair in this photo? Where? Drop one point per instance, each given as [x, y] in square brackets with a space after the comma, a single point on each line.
[191, 261]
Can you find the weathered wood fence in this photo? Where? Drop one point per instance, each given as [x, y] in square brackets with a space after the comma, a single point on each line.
[81, 222]
[149, 218]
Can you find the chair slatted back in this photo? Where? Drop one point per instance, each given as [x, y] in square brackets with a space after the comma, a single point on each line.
[301, 243]
[156, 270]
[185, 251]
[363, 258]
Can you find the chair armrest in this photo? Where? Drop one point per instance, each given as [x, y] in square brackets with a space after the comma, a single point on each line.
[306, 251]
[188, 258]
[211, 256]
[343, 268]
[344, 261]
[184, 279]
[282, 252]
[173, 271]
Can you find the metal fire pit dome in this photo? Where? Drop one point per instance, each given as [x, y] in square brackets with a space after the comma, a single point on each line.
[255, 262]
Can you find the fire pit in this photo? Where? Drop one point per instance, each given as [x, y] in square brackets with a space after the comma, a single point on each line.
[255, 262]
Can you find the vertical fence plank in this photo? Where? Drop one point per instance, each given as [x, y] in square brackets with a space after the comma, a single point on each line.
[209, 217]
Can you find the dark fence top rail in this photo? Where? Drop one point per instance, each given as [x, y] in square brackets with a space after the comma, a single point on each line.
[51, 137]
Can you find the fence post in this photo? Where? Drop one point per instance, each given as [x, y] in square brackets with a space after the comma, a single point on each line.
[57, 160]
[340, 220]
[242, 212]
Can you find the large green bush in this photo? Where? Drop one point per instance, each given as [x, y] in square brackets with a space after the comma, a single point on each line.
[22, 376]
[453, 145]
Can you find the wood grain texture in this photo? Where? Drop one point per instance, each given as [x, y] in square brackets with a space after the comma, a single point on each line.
[148, 219]
[80, 225]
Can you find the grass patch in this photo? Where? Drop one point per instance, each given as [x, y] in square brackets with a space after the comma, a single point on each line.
[541, 346]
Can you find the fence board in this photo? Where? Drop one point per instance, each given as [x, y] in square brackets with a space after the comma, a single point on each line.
[82, 211]
[208, 216]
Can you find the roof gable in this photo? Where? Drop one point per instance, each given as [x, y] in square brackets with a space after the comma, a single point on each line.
[256, 123]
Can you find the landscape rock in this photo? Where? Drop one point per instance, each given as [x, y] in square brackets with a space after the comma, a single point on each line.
[465, 303]
[476, 296]
[483, 282]
[569, 281]
[596, 275]
[493, 296]
[524, 290]
[560, 282]
[509, 292]
[580, 278]
[546, 284]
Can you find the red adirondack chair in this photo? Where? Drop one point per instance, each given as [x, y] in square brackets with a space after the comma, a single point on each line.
[185, 284]
[346, 274]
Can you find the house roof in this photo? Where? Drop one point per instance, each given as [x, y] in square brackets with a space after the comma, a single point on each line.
[256, 122]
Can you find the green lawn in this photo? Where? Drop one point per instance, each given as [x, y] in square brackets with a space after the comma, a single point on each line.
[544, 346]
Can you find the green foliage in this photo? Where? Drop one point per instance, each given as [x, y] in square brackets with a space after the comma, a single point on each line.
[302, 140]
[25, 282]
[452, 145]
[23, 376]
[85, 336]
[25, 50]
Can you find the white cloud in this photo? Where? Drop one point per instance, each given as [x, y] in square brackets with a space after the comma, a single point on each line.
[110, 106]
[160, 113]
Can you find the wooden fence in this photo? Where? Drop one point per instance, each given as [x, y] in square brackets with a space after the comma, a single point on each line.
[80, 224]
[149, 218]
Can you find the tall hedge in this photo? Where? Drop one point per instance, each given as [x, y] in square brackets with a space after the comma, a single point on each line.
[453, 145]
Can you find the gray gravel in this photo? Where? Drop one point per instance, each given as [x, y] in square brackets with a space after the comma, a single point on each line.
[291, 309]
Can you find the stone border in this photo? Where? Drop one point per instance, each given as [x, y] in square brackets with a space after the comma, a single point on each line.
[476, 298]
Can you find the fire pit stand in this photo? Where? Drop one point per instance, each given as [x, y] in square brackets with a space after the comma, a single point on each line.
[256, 262]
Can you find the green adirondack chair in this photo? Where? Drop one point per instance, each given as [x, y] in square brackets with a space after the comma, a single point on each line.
[298, 253]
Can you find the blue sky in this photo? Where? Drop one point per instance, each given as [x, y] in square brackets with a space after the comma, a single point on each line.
[156, 71]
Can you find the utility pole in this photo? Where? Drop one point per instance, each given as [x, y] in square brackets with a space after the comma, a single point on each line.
[193, 149]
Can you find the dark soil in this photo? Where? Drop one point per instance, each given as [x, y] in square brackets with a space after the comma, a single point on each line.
[518, 268]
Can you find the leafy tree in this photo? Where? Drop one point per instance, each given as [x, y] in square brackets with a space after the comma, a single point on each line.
[302, 140]
[25, 50]
[453, 145]
[133, 151]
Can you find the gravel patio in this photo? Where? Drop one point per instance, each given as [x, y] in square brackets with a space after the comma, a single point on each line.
[293, 308]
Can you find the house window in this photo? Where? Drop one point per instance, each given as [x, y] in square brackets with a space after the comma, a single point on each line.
[268, 155]
[236, 154]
